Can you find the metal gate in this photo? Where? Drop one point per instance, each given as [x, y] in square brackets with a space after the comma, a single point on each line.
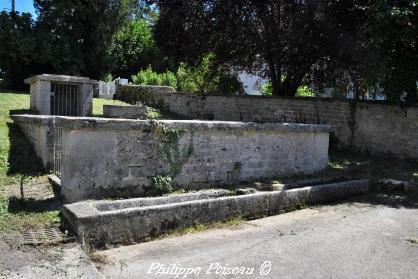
[65, 99]
[57, 151]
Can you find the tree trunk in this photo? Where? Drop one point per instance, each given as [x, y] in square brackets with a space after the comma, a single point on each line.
[275, 81]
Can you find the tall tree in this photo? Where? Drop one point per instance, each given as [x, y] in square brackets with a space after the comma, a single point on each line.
[17, 46]
[280, 39]
[81, 32]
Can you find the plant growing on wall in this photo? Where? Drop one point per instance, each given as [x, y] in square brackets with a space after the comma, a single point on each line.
[168, 146]
[163, 184]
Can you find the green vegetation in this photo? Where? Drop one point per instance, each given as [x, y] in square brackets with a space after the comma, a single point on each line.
[169, 148]
[8, 102]
[133, 48]
[149, 77]
[206, 77]
[98, 105]
[153, 113]
[18, 164]
[302, 91]
[163, 185]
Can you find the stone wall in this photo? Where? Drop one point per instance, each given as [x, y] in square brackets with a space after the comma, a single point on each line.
[130, 112]
[113, 158]
[369, 127]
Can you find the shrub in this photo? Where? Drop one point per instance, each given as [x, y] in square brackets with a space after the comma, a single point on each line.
[266, 89]
[304, 91]
[163, 184]
[208, 77]
[107, 77]
[168, 79]
[149, 77]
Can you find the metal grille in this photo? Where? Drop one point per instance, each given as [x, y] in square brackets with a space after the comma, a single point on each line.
[57, 151]
[46, 235]
[65, 99]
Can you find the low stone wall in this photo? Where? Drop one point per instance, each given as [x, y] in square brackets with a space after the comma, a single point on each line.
[369, 127]
[130, 112]
[112, 158]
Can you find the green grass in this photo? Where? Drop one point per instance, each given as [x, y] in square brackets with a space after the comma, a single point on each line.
[98, 105]
[8, 102]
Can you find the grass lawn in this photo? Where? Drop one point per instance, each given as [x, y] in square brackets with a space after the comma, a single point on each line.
[98, 105]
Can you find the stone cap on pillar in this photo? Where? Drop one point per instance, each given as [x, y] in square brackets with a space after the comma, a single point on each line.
[59, 78]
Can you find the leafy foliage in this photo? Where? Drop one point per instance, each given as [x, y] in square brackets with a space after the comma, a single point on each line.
[207, 77]
[375, 47]
[275, 38]
[163, 185]
[361, 44]
[18, 46]
[302, 91]
[149, 77]
[133, 48]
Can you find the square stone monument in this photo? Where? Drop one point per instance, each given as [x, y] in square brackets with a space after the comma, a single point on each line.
[61, 95]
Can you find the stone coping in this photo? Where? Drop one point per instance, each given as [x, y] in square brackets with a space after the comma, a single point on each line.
[59, 78]
[79, 123]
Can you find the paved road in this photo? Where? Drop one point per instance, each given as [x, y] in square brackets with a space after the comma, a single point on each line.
[350, 240]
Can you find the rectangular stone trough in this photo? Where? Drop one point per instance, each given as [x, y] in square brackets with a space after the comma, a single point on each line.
[103, 223]
[101, 158]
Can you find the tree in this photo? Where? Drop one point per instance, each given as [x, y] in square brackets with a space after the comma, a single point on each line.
[276, 38]
[81, 32]
[392, 25]
[133, 48]
[17, 46]
[208, 77]
[375, 47]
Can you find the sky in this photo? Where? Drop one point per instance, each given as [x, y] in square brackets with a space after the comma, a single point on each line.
[21, 6]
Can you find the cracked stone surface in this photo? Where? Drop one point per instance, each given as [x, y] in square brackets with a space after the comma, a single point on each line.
[351, 240]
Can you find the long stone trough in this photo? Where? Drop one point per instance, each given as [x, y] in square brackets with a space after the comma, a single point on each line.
[103, 223]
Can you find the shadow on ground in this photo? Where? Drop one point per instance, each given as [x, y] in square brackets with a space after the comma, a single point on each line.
[20, 111]
[25, 164]
[22, 158]
[356, 164]
[17, 205]
[390, 199]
